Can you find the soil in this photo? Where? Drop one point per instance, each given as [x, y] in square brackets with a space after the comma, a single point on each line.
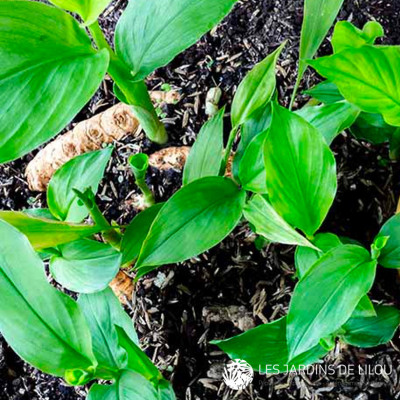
[178, 309]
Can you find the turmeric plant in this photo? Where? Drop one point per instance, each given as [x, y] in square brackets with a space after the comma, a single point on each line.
[49, 68]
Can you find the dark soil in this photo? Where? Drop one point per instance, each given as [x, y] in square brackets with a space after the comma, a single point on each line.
[180, 308]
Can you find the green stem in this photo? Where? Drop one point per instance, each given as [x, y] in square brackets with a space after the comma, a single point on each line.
[300, 73]
[147, 193]
[132, 92]
[109, 234]
[228, 149]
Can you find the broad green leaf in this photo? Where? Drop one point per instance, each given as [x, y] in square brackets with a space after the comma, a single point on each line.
[44, 326]
[368, 77]
[327, 295]
[346, 35]
[136, 233]
[268, 223]
[205, 157]
[372, 128]
[325, 92]
[372, 331]
[48, 72]
[330, 119]
[252, 174]
[301, 171]
[89, 10]
[46, 233]
[85, 266]
[265, 349]
[103, 392]
[306, 257]
[256, 89]
[364, 308]
[193, 220]
[318, 18]
[80, 173]
[151, 33]
[257, 123]
[390, 254]
[137, 360]
[103, 311]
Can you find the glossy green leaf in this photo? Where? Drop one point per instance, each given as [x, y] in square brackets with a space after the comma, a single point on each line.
[80, 173]
[364, 308]
[330, 119]
[325, 92]
[85, 266]
[48, 72]
[301, 171]
[268, 223]
[151, 33]
[346, 35]
[372, 331]
[89, 10]
[252, 174]
[255, 125]
[256, 89]
[368, 77]
[136, 233]
[346, 274]
[305, 257]
[265, 349]
[137, 360]
[373, 128]
[43, 326]
[193, 220]
[129, 386]
[46, 233]
[103, 311]
[40, 213]
[205, 157]
[318, 18]
[390, 254]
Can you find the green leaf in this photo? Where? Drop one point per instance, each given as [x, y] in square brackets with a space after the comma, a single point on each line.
[136, 233]
[48, 72]
[43, 326]
[129, 386]
[46, 233]
[82, 172]
[390, 254]
[252, 174]
[89, 10]
[265, 349]
[137, 359]
[364, 308]
[325, 92]
[103, 392]
[85, 266]
[301, 177]
[205, 157]
[306, 257]
[257, 123]
[256, 89]
[346, 274]
[368, 77]
[318, 18]
[151, 33]
[40, 213]
[346, 35]
[268, 223]
[330, 119]
[372, 128]
[194, 219]
[372, 331]
[103, 311]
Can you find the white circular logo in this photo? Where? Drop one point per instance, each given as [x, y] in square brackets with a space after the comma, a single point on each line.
[238, 374]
